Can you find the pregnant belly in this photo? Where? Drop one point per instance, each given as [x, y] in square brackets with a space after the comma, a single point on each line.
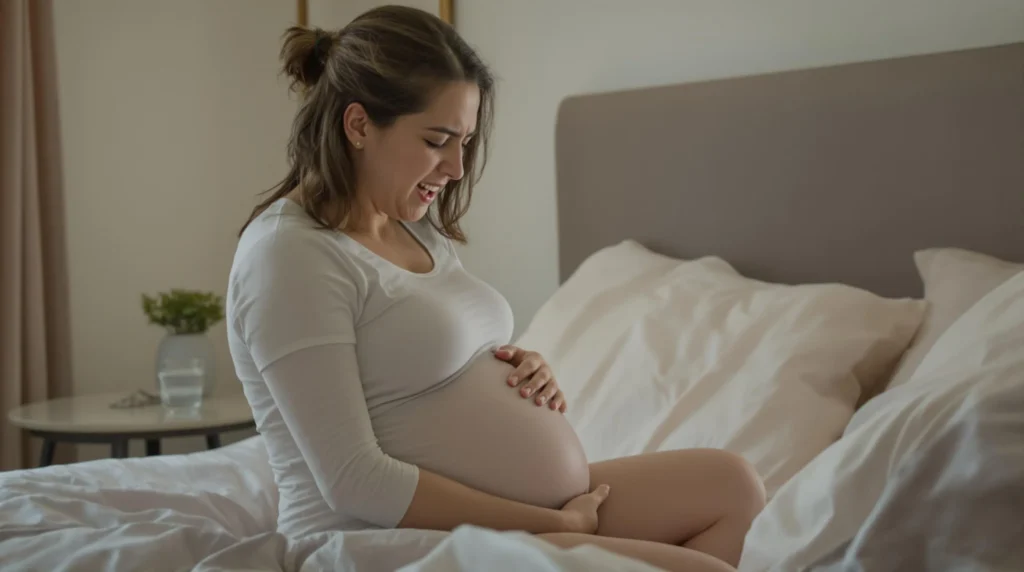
[480, 432]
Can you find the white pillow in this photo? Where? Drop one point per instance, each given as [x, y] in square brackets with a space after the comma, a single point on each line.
[954, 279]
[655, 354]
[823, 506]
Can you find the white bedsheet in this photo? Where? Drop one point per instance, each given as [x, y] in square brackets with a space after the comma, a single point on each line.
[216, 510]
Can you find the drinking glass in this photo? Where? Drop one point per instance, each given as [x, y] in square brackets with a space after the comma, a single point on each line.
[181, 383]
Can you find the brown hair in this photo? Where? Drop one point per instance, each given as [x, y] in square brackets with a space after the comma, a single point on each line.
[391, 60]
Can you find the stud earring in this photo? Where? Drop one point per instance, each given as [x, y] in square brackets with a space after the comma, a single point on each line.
[358, 144]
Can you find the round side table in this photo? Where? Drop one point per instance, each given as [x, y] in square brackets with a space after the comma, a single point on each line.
[90, 419]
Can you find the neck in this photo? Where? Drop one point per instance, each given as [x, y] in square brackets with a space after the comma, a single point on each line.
[367, 221]
[363, 220]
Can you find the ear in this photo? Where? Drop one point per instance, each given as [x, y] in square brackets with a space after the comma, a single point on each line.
[356, 123]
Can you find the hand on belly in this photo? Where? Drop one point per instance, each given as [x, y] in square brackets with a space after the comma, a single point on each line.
[480, 432]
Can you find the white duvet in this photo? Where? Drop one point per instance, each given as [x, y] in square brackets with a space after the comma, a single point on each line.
[216, 510]
[956, 504]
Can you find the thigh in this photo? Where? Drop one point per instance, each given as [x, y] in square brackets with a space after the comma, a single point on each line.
[672, 496]
[663, 556]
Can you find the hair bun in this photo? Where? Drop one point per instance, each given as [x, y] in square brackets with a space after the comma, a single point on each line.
[304, 54]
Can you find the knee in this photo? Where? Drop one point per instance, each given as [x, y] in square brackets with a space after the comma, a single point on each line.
[745, 485]
[565, 539]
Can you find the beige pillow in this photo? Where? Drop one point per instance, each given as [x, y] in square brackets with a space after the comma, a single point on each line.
[954, 280]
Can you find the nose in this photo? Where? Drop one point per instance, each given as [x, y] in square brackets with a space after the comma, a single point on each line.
[452, 166]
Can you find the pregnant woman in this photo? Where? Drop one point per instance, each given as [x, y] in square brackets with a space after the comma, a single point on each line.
[378, 369]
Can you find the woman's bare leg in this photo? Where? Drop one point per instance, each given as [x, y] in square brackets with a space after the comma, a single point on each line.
[663, 556]
[703, 499]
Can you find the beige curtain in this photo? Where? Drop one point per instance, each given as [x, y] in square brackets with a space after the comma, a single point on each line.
[35, 357]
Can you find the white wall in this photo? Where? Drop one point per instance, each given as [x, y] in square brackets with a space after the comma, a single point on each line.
[544, 50]
[173, 118]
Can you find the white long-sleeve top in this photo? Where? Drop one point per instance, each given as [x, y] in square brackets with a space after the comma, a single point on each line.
[324, 335]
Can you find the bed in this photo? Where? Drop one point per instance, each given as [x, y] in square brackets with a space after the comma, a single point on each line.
[821, 270]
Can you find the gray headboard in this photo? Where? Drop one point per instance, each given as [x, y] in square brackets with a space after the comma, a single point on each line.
[833, 174]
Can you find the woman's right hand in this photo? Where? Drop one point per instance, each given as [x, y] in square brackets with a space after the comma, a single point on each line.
[581, 512]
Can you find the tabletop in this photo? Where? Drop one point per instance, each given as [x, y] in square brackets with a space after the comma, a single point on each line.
[93, 414]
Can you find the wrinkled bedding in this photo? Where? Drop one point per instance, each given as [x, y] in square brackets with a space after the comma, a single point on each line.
[216, 510]
[955, 504]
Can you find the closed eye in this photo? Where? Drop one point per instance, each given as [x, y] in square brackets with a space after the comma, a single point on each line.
[434, 145]
[451, 133]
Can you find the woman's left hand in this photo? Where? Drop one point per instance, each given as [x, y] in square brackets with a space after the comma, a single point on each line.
[536, 373]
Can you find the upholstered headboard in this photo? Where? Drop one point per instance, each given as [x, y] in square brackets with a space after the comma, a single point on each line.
[834, 174]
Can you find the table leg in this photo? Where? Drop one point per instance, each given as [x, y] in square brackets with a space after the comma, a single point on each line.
[213, 441]
[46, 455]
[152, 447]
[119, 448]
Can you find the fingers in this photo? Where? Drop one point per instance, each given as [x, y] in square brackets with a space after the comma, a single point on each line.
[543, 385]
[601, 493]
[538, 384]
[511, 354]
[557, 403]
[530, 364]
[548, 394]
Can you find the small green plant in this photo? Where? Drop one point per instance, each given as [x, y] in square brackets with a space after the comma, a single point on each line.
[183, 311]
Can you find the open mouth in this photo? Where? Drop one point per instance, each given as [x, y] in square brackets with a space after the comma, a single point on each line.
[428, 191]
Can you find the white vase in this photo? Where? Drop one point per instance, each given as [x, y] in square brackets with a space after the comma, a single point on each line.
[188, 346]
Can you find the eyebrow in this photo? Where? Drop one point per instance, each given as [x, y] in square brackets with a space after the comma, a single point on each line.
[449, 131]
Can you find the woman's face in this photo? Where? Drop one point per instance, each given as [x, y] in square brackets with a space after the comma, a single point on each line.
[400, 169]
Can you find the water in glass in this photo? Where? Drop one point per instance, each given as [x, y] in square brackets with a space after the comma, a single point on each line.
[181, 384]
